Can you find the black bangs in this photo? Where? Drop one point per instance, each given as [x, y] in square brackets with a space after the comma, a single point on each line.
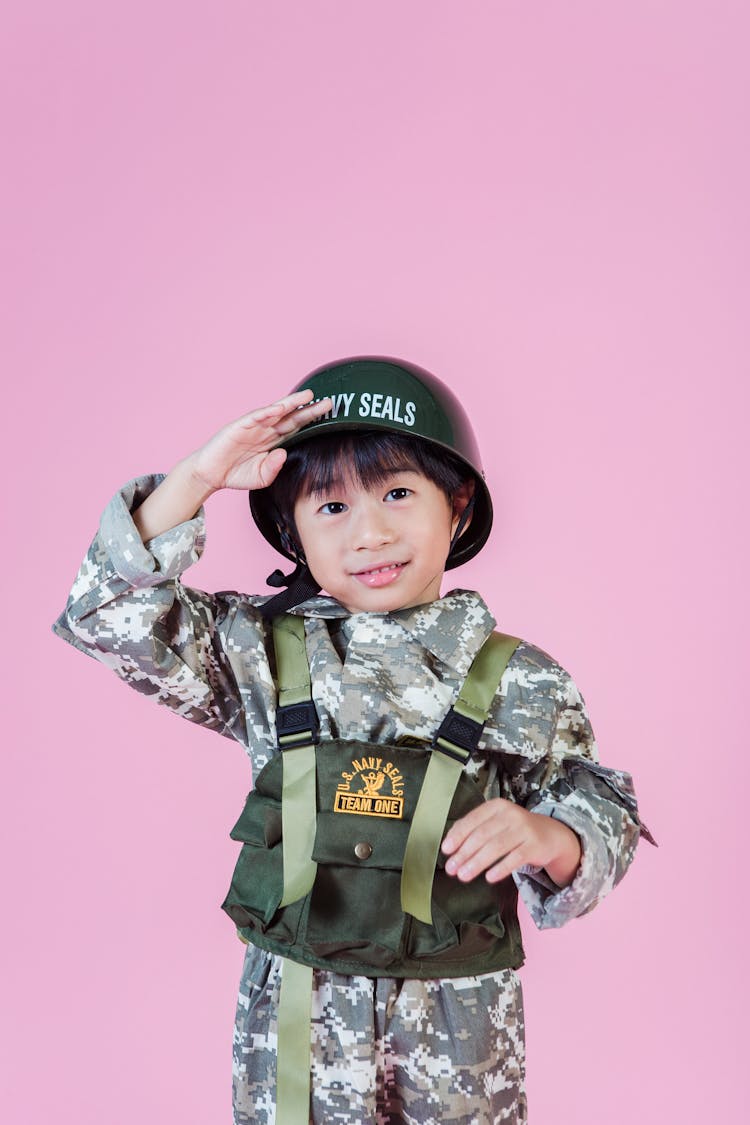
[368, 457]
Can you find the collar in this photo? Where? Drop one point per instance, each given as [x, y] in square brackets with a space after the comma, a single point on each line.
[453, 628]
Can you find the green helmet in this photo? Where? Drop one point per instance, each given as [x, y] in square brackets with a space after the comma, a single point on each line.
[380, 393]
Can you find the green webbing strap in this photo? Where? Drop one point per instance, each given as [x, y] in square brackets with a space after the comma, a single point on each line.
[293, 1049]
[443, 772]
[298, 802]
[292, 668]
[425, 834]
[476, 696]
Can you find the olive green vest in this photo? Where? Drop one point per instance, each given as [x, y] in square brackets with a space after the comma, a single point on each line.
[355, 882]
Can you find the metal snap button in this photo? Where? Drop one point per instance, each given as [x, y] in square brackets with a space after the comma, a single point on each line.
[363, 850]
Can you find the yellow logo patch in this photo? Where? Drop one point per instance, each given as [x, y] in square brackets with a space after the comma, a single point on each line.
[372, 788]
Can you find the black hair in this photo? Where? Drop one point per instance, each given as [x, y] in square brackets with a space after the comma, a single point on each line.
[369, 457]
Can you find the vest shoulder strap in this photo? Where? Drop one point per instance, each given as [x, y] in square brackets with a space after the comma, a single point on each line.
[483, 679]
[463, 724]
[454, 743]
[292, 667]
[462, 727]
[297, 734]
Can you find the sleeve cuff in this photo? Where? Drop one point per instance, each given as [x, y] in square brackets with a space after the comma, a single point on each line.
[551, 906]
[162, 558]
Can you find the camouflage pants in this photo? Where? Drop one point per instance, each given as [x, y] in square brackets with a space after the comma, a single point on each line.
[384, 1051]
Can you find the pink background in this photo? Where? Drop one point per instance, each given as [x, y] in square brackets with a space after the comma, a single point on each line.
[547, 204]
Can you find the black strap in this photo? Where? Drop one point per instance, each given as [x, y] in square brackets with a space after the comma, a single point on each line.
[300, 586]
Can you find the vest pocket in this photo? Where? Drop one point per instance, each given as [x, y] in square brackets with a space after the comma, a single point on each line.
[355, 905]
[355, 916]
[256, 888]
[257, 882]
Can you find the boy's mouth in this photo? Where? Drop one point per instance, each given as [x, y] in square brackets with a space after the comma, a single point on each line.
[377, 576]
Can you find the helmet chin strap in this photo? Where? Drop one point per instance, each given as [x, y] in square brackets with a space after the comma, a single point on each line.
[300, 585]
[461, 526]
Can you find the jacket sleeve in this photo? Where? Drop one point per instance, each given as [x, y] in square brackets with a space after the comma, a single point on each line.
[129, 610]
[562, 778]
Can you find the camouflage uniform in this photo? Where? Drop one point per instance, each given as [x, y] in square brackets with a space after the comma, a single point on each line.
[383, 1050]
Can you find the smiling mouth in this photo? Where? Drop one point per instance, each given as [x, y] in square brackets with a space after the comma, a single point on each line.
[379, 575]
[379, 569]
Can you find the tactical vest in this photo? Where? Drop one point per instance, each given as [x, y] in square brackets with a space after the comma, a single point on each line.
[341, 865]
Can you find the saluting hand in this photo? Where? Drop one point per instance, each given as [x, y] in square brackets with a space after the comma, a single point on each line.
[244, 454]
[499, 836]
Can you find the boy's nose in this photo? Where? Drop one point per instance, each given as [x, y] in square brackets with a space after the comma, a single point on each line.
[371, 528]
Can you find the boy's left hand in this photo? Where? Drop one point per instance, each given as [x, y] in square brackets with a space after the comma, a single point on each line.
[499, 836]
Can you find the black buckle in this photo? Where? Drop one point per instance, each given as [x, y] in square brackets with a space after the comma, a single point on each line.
[460, 730]
[297, 719]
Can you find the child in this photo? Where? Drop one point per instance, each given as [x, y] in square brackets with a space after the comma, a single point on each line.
[395, 1009]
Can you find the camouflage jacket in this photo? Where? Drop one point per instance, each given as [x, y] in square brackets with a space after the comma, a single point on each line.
[374, 676]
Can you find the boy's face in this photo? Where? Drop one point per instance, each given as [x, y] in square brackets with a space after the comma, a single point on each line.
[383, 547]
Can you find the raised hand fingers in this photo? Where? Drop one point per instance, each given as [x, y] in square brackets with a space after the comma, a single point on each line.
[269, 466]
[238, 455]
[288, 414]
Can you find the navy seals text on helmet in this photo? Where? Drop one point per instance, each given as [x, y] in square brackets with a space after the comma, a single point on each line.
[372, 404]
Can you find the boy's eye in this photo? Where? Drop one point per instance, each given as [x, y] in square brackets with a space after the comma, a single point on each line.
[398, 493]
[332, 508]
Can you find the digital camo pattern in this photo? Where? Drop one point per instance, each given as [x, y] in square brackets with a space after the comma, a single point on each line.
[207, 658]
[385, 1051]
